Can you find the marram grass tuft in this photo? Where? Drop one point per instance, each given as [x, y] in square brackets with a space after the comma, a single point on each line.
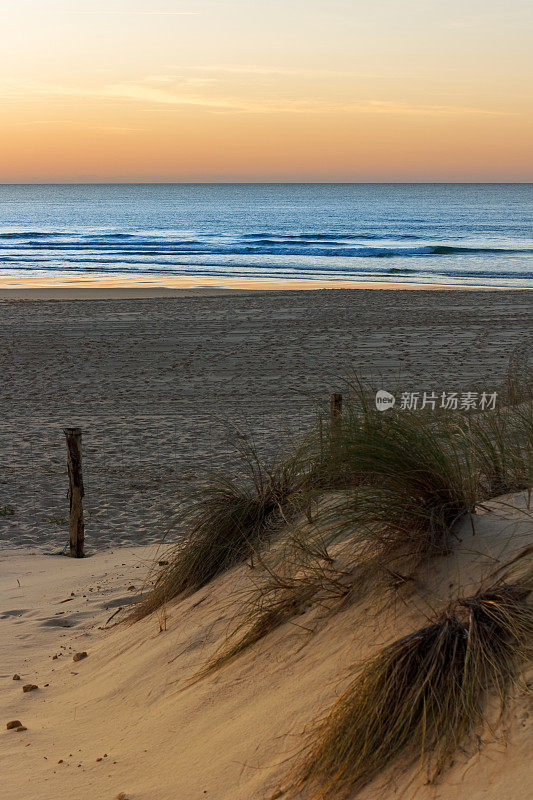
[225, 521]
[422, 696]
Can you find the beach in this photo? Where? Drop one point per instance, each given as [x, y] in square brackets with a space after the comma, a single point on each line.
[160, 384]
[162, 387]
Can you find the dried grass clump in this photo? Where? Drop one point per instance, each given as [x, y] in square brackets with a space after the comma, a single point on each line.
[409, 476]
[226, 521]
[422, 696]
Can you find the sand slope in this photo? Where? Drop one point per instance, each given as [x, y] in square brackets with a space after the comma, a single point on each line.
[228, 736]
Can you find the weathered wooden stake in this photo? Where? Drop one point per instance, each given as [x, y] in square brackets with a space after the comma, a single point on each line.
[336, 406]
[76, 529]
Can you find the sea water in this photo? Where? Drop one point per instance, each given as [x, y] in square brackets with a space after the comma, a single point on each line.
[462, 234]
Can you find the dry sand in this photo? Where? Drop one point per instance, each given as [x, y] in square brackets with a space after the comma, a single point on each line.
[125, 720]
[154, 381]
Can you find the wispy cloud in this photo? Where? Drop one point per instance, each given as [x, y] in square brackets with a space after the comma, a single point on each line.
[173, 78]
[146, 94]
[258, 69]
[393, 107]
[131, 12]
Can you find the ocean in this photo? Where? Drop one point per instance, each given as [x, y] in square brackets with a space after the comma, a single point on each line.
[462, 234]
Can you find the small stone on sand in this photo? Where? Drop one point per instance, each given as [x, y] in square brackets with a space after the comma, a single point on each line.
[15, 723]
[79, 656]
[16, 677]
[29, 687]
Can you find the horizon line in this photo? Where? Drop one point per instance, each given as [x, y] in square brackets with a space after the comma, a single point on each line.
[271, 183]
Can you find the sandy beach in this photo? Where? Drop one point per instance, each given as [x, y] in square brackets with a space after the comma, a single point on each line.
[157, 383]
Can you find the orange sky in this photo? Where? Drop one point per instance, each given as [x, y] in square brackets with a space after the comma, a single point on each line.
[205, 90]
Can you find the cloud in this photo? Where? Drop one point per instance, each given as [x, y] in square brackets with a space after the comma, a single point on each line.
[160, 78]
[73, 123]
[172, 78]
[257, 69]
[393, 107]
[131, 12]
[146, 94]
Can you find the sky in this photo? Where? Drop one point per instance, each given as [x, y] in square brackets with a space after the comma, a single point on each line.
[265, 90]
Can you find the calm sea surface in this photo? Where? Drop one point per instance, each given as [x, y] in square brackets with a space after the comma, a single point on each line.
[463, 234]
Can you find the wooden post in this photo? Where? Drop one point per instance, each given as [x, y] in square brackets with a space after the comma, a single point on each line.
[336, 406]
[76, 530]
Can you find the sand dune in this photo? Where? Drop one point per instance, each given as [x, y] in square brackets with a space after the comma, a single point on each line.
[125, 719]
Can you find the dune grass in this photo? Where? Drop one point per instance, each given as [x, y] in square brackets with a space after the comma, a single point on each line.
[262, 618]
[226, 521]
[298, 575]
[420, 478]
[422, 696]
[399, 482]
[316, 567]
[501, 444]
[369, 445]
[518, 383]
[403, 479]
[408, 477]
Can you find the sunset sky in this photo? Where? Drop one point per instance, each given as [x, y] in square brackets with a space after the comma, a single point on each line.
[252, 90]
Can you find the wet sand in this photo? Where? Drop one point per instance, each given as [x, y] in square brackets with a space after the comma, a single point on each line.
[101, 288]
